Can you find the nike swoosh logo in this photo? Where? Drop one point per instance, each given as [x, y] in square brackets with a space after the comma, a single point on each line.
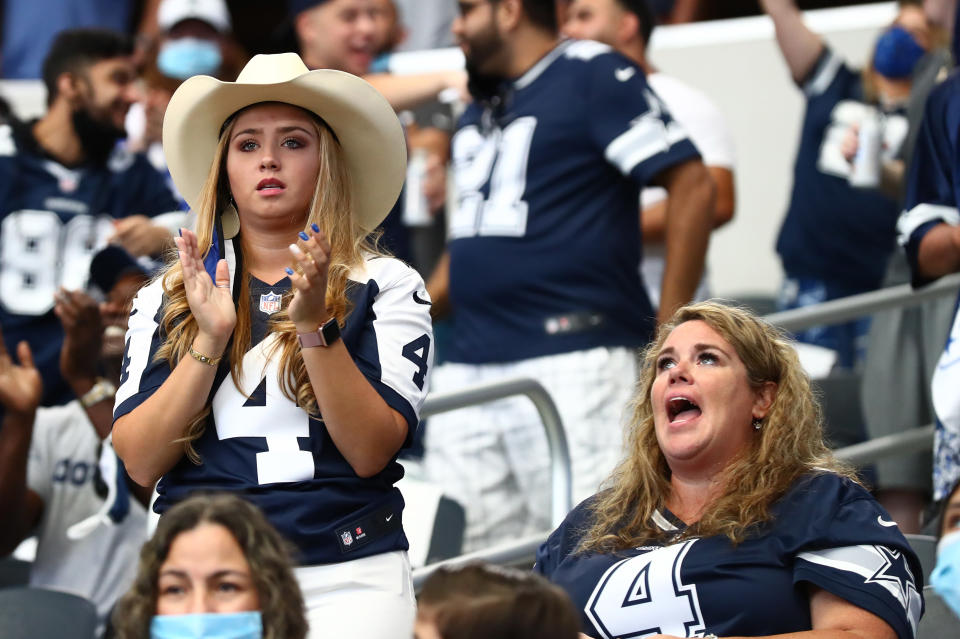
[419, 300]
[884, 522]
[390, 516]
[624, 73]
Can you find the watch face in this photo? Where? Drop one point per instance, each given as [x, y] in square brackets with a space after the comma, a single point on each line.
[330, 331]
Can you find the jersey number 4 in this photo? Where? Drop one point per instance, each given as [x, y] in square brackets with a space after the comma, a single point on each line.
[645, 595]
[499, 158]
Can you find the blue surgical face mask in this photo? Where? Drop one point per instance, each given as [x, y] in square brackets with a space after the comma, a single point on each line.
[897, 53]
[237, 625]
[185, 57]
[945, 578]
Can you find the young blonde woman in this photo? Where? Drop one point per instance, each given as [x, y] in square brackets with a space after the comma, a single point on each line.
[729, 516]
[282, 356]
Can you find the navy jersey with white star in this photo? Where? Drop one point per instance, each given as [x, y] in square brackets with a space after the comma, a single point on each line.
[259, 444]
[827, 532]
[544, 243]
[52, 221]
[834, 231]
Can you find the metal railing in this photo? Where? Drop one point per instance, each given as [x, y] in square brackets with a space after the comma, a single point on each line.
[522, 551]
[561, 501]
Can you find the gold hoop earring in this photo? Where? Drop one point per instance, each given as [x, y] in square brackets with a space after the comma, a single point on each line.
[230, 221]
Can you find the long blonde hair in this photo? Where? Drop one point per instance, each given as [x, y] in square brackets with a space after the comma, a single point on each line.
[789, 443]
[330, 209]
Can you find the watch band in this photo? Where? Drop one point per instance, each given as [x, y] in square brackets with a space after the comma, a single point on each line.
[327, 334]
[102, 389]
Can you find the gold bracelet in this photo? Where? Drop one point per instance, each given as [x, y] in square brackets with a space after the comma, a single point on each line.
[203, 359]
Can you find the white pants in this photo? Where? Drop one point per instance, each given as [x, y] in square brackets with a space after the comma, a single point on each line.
[370, 597]
[493, 458]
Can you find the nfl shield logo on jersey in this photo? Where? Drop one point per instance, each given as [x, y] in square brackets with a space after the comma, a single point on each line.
[346, 538]
[270, 303]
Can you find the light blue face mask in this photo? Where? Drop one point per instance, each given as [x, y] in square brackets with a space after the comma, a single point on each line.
[185, 57]
[237, 625]
[945, 578]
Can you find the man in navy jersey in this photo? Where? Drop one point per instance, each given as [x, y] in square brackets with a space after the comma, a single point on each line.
[929, 231]
[65, 190]
[541, 272]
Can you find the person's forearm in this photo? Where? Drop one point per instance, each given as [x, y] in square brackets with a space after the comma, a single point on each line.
[409, 91]
[438, 287]
[653, 223]
[15, 435]
[689, 221]
[800, 46]
[939, 253]
[145, 438]
[367, 432]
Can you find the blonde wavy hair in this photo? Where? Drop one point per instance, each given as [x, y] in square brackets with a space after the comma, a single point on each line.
[788, 445]
[330, 209]
[268, 554]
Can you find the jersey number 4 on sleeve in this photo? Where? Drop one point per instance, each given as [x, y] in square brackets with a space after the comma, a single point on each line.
[499, 158]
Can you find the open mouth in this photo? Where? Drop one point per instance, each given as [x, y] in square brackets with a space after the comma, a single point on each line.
[682, 409]
[270, 185]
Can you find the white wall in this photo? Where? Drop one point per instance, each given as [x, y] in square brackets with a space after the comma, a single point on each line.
[738, 64]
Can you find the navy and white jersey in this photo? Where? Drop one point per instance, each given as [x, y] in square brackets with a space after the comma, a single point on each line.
[933, 181]
[544, 244]
[833, 231]
[52, 221]
[259, 444]
[827, 532]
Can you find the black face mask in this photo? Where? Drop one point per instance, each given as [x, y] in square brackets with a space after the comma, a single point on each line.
[96, 136]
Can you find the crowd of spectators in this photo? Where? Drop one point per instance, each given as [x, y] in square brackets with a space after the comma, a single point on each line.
[558, 201]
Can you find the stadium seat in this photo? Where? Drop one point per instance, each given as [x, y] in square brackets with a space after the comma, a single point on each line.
[35, 613]
[926, 548]
[842, 415]
[938, 620]
[433, 522]
[14, 572]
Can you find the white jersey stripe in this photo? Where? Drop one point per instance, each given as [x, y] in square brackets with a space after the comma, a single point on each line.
[645, 139]
[140, 332]
[919, 215]
[824, 76]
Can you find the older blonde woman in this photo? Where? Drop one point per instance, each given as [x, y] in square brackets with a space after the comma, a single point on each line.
[283, 357]
[729, 516]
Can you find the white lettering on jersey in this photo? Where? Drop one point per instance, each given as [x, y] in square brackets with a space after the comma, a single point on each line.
[7, 146]
[236, 413]
[39, 253]
[844, 115]
[500, 157]
[645, 595]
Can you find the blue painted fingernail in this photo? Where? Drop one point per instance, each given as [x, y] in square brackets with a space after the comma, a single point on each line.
[288, 270]
[303, 236]
[316, 229]
[180, 231]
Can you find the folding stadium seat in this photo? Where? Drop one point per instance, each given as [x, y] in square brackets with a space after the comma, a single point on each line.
[35, 613]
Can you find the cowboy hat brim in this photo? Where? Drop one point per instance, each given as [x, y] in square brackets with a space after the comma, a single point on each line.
[369, 132]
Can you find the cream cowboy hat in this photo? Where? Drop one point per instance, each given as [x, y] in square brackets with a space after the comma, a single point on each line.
[364, 122]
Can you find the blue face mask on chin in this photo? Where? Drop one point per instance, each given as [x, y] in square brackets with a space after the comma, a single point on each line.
[897, 53]
[237, 625]
[945, 578]
[186, 57]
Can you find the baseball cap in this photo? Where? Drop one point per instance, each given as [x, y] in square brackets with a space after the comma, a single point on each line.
[110, 264]
[213, 12]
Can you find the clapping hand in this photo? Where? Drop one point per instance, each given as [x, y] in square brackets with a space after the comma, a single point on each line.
[210, 302]
[311, 259]
[83, 328]
[20, 384]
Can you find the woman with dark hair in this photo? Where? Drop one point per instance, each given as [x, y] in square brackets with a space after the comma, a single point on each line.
[479, 601]
[213, 563]
[729, 516]
[284, 357]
